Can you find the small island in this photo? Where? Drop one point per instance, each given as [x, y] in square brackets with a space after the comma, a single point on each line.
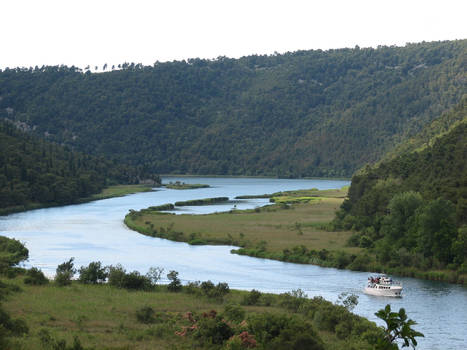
[178, 185]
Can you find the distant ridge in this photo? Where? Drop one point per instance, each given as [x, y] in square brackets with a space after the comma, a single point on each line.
[305, 113]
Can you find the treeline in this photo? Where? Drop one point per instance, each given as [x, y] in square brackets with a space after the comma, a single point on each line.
[304, 113]
[411, 211]
[36, 172]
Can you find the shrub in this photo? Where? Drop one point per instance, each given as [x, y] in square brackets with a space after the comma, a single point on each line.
[213, 329]
[234, 313]
[36, 277]
[134, 280]
[145, 315]
[175, 284]
[65, 273]
[252, 298]
[93, 274]
[116, 276]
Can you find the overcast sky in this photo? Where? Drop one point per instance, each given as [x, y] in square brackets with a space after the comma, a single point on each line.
[49, 32]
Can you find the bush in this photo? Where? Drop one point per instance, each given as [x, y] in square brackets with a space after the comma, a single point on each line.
[93, 274]
[213, 329]
[35, 277]
[252, 298]
[134, 280]
[175, 284]
[116, 276]
[234, 313]
[145, 315]
[65, 273]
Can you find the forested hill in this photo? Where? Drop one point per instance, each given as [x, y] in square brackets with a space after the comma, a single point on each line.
[306, 113]
[416, 201]
[37, 172]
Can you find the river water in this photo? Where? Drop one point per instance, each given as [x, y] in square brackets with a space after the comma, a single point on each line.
[95, 232]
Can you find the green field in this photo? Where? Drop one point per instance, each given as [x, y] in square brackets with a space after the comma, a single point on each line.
[120, 190]
[105, 317]
[184, 186]
[298, 219]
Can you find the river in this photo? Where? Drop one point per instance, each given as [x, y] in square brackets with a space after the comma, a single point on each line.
[95, 232]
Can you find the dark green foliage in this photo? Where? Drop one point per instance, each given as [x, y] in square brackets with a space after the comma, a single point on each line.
[94, 273]
[304, 113]
[276, 331]
[35, 172]
[204, 201]
[214, 291]
[65, 273]
[410, 209]
[234, 313]
[213, 329]
[35, 276]
[175, 284]
[12, 252]
[398, 328]
[48, 342]
[118, 277]
[145, 314]
[252, 298]
[10, 327]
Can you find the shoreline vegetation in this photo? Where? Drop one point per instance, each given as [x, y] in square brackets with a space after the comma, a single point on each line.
[178, 185]
[106, 193]
[296, 227]
[108, 307]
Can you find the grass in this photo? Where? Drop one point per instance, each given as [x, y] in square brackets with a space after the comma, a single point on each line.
[281, 226]
[185, 186]
[120, 191]
[104, 317]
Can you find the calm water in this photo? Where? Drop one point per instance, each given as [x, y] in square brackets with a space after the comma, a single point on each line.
[95, 231]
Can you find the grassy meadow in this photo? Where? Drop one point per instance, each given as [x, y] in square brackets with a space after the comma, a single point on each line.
[297, 218]
[105, 317]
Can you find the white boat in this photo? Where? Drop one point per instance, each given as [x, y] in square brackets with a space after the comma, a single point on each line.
[383, 285]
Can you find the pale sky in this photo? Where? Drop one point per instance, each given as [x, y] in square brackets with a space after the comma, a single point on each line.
[80, 33]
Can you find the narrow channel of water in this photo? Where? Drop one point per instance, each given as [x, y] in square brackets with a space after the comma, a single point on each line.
[95, 231]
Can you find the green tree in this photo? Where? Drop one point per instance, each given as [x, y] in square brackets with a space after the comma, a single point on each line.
[65, 272]
[436, 226]
[398, 328]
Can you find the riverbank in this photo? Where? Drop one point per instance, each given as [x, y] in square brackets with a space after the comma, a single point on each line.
[295, 228]
[108, 192]
[196, 316]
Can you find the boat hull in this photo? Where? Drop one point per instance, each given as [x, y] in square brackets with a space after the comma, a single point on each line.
[390, 292]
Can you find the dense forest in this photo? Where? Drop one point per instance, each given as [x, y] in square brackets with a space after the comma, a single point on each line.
[304, 113]
[35, 171]
[412, 208]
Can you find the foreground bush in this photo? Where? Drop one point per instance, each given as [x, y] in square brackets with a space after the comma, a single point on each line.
[94, 273]
[36, 277]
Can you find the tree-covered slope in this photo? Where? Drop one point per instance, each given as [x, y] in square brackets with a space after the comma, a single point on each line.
[37, 172]
[412, 209]
[306, 113]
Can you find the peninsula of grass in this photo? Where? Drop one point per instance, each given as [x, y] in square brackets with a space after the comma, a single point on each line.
[119, 191]
[204, 201]
[297, 227]
[294, 228]
[184, 186]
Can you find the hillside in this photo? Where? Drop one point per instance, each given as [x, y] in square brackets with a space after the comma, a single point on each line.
[305, 113]
[36, 172]
[416, 201]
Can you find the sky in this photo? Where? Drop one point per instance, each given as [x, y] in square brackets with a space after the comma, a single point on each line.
[81, 33]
